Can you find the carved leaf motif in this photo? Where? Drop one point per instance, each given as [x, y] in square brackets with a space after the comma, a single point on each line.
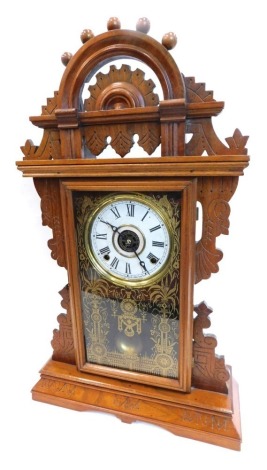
[206, 262]
[238, 141]
[51, 105]
[197, 92]
[95, 141]
[29, 150]
[149, 137]
[219, 212]
[122, 141]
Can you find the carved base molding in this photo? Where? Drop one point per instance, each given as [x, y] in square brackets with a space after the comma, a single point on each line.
[202, 415]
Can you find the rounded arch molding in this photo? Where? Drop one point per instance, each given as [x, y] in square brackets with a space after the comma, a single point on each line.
[119, 44]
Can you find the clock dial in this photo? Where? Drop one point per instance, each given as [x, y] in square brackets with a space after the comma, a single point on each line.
[128, 239]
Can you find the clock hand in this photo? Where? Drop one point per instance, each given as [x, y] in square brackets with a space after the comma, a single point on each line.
[115, 229]
[142, 263]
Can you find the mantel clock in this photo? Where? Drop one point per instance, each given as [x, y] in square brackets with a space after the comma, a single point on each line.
[131, 341]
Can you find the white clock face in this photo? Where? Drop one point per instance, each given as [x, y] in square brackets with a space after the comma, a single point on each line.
[128, 239]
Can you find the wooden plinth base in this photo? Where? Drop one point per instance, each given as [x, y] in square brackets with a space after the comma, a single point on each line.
[202, 415]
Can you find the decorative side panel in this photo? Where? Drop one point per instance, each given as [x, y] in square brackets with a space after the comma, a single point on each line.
[62, 341]
[214, 194]
[49, 192]
[209, 371]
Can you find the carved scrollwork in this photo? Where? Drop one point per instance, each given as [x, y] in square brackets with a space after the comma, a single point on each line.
[204, 138]
[48, 149]
[62, 341]
[48, 190]
[209, 371]
[214, 194]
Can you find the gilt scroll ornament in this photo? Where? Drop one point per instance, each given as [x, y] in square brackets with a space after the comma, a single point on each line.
[130, 328]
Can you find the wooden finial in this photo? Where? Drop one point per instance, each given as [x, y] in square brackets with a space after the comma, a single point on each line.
[143, 25]
[113, 23]
[169, 40]
[65, 58]
[86, 35]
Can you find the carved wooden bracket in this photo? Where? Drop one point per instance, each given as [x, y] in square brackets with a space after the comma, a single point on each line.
[209, 371]
[214, 194]
[62, 342]
[49, 192]
[201, 107]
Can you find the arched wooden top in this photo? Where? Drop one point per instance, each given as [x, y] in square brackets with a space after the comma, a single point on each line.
[119, 44]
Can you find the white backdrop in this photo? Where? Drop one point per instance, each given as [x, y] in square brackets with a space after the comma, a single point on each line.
[221, 43]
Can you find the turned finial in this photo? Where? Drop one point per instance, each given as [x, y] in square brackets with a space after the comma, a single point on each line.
[169, 40]
[143, 25]
[65, 58]
[86, 34]
[113, 23]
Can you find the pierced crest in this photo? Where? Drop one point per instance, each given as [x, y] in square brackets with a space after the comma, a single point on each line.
[119, 89]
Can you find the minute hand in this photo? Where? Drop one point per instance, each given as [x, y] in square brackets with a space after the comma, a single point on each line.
[142, 263]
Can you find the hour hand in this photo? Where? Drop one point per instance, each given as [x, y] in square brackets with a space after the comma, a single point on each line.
[115, 229]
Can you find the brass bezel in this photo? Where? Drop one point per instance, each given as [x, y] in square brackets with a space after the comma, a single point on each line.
[110, 276]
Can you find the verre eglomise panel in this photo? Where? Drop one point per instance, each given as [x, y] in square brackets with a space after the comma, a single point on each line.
[128, 254]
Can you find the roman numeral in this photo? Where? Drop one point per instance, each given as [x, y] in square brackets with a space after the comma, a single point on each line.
[114, 263]
[127, 268]
[115, 212]
[105, 250]
[130, 209]
[145, 216]
[157, 227]
[154, 259]
[158, 244]
[101, 236]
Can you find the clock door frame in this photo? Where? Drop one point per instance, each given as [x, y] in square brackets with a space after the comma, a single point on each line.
[187, 187]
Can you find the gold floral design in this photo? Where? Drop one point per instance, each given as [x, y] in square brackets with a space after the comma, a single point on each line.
[136, 329]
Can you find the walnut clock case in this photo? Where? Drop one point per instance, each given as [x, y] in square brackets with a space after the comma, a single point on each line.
[131, 341]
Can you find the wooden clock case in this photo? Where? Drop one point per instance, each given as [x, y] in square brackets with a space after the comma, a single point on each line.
[203, 403]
